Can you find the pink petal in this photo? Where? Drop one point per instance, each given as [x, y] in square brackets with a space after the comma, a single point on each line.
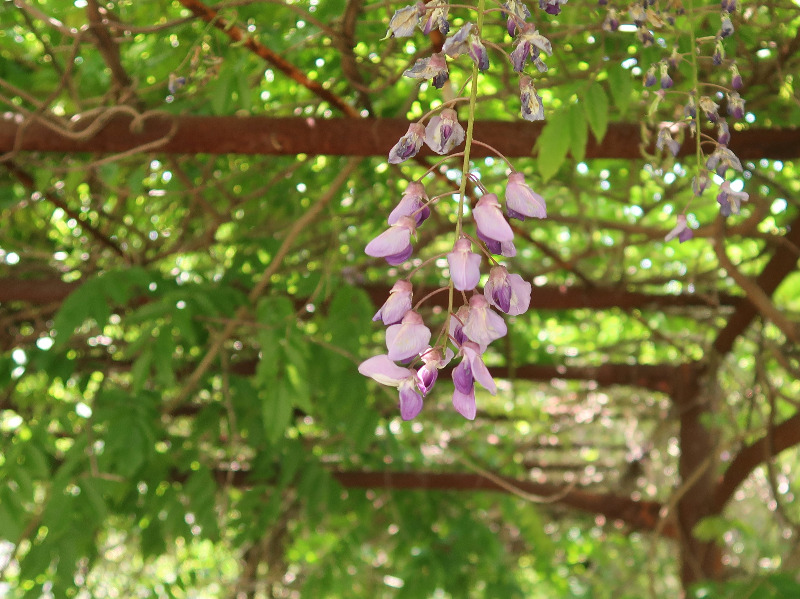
[407, 339]
[465, 404]
[392, 241]
[384, 370]
[410, 401]
[465, 266]
[479, 371]
[490, 220]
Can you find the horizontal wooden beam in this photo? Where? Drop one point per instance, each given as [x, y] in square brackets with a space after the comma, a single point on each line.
[257, 135]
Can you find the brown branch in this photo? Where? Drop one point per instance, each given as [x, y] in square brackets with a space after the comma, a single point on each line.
[782, 437]
[256, 135]
[641, 515]
[776, 270]
[210, 15]
[108, 48]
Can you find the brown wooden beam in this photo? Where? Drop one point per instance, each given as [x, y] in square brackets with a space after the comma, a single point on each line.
[258, 135]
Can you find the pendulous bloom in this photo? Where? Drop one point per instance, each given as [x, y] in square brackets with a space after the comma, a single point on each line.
[665, 139]
[434, 67]
[464, 265]
[490, 221]
[437, 17]
[405, 20]
[530, 101]
[681, 230]
[457, 321]
[507, 292]
[502, 248]
[429, 372]
[382, 369]
[730, 200]
[529, 44]
[721, 159]
[517, 13]
[398, 304]
[394, 244]
[735, 105]
[470, 369]
[482, 325]
[412, 204]
[466, 41]
[521, 201]
[408, 338]
[409, 144]
[444, 132]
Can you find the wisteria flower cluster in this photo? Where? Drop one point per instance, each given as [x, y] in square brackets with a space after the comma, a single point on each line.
[700, 110]
[412, 360]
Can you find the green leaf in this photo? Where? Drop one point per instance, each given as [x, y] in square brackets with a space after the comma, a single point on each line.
[553, 144]
[276, 410]
[620, 83]
[578, 132]
[595, 104]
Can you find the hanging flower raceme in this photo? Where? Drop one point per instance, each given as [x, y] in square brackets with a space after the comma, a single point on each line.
[382, 369]
[409, 144]
[413, 204]
[521, 200]
[665, 139]
[444, 132]
[394, 244]
[398, 304]
[509, 293]
[465, 265]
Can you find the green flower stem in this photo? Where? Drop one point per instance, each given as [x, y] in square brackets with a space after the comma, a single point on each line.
[696, 94]
[473, 97]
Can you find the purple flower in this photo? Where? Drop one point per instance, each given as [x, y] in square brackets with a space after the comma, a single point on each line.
[482, 325]
[551, 7]
[736, 78]
[490, 220]
[382, 369]
[503, 248]
[735, 105]
[405, 20]
[666, 80]
[175, 83]
[464, 403]
[611, 22]
[730, 200]
[521, 200]
[464, 265]
[407, 339]
[444, 132]
[434, 67]
[413, 204]
[507, 292]
[710, 107]
[721, 159]
[517, 14]
[409, 144]
[470, 369]
[398, 304]
[644, 36]
[729, 5]
[723, 133]
[394, 244]
[726, 28]
[429, 372]
[437, 17]
[637, 14]
[466, 41]
[529, 43]
[457, 321]
[531, 102]
[650, 77]
[681, 230]
[665, 138]
[700, 184]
